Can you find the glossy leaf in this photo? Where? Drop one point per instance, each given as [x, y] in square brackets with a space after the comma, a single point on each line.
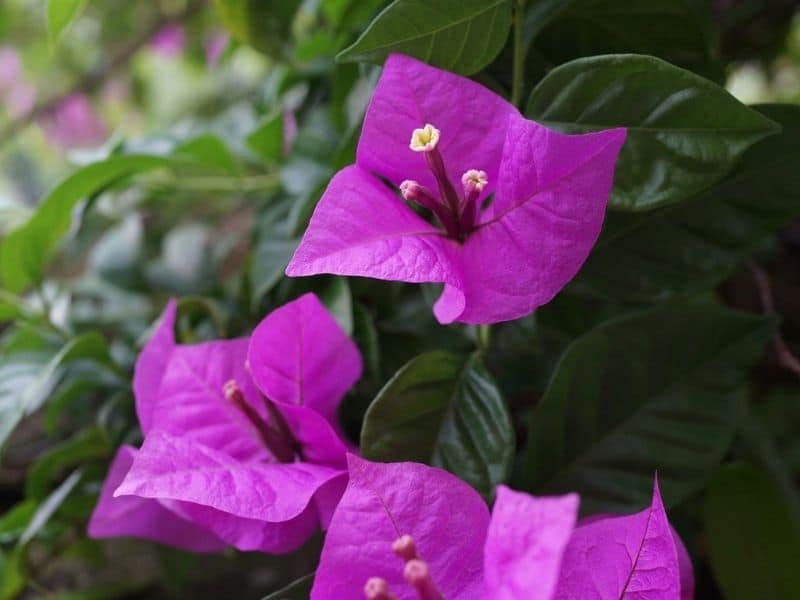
[753, 539]
[678, 32]
[25, 251]
[446, 411]
[654, 391]
[61, 14]
[695, 245]
[684, 132]
[457, 35]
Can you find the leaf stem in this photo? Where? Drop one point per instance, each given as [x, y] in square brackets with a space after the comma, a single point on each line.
[518, 76]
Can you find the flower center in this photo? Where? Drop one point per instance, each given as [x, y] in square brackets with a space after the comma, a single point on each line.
[274, 432]
[458, 214]
[415, 572]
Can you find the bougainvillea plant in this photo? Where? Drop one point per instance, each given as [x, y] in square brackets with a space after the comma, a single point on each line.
[459, 299]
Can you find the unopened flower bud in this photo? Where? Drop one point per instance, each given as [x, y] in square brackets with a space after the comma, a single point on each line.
[425, 139]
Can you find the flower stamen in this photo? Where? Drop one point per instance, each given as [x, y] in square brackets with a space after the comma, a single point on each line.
[418, 576]
[473, 183]
[275, 434]
[416, 571]
[415, 192]
[377, 589]
[424, 139]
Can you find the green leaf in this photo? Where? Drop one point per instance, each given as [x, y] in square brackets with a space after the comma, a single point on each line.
[458, 35]
[297, 590]
[675, 31]
[28, 377]
[14, 522]
[684, 132]
[753, 540]
[654, 391]
[25, 252]
[444, 410]
[61, 14]
[337, 299]
[208, 152]
[50, 506]
[267, 138]
[693, 246]
[263, 25]
[86, 446]
[12, 573]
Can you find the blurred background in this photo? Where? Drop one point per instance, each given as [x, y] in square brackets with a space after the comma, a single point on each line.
[258, 103]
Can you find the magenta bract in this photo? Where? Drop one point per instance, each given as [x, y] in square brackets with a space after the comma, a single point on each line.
[241, 441]
[411, 531]
[518, 206]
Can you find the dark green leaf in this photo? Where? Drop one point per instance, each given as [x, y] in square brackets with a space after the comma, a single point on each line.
[695, 245]
[86, 446]
[297, 590]
[61, 14]
[675, 31]
[458, 35]
[655, 391]
[263, 25]
[25, 252]
[754, 541]
[50, 506]
[444, 410]
[684, 132]
[337, 299]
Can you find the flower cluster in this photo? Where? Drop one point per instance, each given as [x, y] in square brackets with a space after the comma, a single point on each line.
[242, 445]
[515, 207]
[241, 442]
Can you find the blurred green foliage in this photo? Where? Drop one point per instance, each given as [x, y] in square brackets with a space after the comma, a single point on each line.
[222, 123]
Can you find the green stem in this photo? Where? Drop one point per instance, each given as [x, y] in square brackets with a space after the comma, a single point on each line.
[518, 77]
[484, 336]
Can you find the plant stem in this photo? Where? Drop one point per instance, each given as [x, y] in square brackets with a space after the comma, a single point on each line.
[484, 337]
[518, 77]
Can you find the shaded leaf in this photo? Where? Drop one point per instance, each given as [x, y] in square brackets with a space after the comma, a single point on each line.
[444, 410]
[695, 245]
[87, 445]
[677, 32]
[297, 590]
[753, 539]
[458, 35]
[654, 391]
[50, 505]
[684, 132]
